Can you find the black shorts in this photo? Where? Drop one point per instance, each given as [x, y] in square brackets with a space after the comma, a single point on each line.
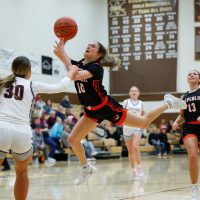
[111, 111]
[191, 130]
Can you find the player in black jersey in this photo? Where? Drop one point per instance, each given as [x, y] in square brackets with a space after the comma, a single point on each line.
[190, 118]
[98, 105]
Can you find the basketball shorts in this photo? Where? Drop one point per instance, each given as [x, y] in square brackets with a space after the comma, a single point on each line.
[17, 138]
[111, 111]
[129, 132]
[191, 130]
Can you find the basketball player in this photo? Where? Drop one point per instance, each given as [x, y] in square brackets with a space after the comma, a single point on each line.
[97, 104]
[132, 135]
[190, 118]
[16, 99]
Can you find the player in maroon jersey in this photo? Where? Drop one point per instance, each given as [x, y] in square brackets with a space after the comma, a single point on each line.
[190, 118]
[98, 105]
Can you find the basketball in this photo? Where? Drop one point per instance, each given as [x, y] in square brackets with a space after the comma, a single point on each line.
[65, 27]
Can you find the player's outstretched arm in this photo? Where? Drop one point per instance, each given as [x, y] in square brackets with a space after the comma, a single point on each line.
[61, 86]
[60, 52]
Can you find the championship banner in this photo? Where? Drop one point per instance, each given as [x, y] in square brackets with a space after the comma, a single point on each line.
[47, 65]
[197, 10]
[143, 34]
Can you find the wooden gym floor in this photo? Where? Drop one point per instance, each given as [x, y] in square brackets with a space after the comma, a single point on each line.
[165, 178]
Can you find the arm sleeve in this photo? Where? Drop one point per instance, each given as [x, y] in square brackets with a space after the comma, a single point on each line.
[96, 71]
[39, 87]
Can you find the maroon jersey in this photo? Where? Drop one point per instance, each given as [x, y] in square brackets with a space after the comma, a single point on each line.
[90, 91]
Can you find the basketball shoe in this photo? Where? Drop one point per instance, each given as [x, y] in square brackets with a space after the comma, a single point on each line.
[194, 193]
[85, 173]
[174, 102]
[135, 173]
[140, 171]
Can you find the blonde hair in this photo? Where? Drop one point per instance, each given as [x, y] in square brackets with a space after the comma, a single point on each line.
[107, 59]
[20, 67]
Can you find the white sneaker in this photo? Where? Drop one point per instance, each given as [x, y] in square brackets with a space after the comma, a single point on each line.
[194, 193]
[159, 155]
[140, 171]
[51, 160]
[135, 173]
[174, 102]
[85, 173]
[48, 163]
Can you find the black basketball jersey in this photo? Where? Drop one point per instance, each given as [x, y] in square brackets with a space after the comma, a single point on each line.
[90, 91]
[192, 100]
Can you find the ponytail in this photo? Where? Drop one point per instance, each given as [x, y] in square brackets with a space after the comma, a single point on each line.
[110, 60]
[20, 67]
[107, 59]
[198, 73]
[7, 82]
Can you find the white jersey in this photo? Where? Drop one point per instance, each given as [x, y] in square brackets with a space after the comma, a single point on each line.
[16, 104]
[136, 107]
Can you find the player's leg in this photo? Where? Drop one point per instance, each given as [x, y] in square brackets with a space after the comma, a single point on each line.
[136, 147]
[22, 181]
[80, 131]
[191, 144]
[143, 121]
[129, 145]
[130, 148]
[136, 153]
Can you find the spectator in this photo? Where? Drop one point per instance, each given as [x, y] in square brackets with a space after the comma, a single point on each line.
[6, 165]
[45, 133]
[48, 107]
[155, 141]
[65, 102]
[39, 104]
[39, 145]
[163, 138]
[113, 131]
[60, 112]
[65, 135]
[51, 119]
[89, 149]
[163, 124]
[56, 131]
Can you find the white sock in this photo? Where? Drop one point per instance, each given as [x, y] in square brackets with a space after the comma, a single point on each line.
[168, 104]
[84, 166]
[194, 186]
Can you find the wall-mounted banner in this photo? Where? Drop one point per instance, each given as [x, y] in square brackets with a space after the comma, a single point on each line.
[197, 10]
[143, 33]
[197, 43]
[6, 58]
[47, 65]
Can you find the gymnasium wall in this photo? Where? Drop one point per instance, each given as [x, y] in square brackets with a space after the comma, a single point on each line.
[27, 26]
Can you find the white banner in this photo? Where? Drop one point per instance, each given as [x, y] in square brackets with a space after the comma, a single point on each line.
[6, 57]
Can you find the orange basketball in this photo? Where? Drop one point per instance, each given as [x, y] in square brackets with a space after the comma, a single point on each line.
[65, 27]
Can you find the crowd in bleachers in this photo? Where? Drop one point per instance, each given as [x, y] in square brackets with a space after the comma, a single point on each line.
[53, 122]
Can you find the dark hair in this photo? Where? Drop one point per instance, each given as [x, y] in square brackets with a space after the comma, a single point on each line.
[107, 59]
[20, 66]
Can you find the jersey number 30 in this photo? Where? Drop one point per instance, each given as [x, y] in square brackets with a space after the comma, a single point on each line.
[18, 92]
